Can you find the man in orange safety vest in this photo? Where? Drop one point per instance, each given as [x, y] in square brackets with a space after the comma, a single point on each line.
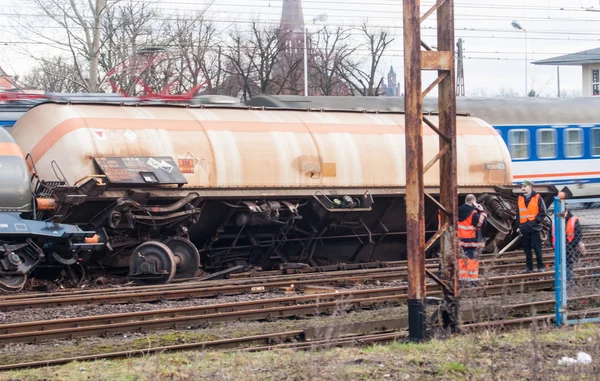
[532, 211]
[471, 218]
[573, 244]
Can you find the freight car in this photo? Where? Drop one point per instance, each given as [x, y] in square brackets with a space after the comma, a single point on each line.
[25, 241]
[166, 188]
[551, 140]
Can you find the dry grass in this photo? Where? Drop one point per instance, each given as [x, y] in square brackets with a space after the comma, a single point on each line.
[526, 354]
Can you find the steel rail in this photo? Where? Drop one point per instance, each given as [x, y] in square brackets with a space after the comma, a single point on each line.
[250, 310]
[271, 275]
[488, 265]
[265, 342]
[193, 291]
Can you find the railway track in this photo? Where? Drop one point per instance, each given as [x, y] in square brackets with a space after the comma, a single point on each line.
[354, 334]
[195, 290]
[241, 285]
[489, 264]
[299, 305]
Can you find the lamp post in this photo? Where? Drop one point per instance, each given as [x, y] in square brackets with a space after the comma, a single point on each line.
[518, 26]
[321, 17]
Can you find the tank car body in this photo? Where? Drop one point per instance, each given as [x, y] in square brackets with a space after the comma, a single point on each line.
[235, 149]
[551, 140]
[242, 185]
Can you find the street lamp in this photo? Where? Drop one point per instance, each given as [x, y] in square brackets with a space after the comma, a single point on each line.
[321, 17]
[518, 26]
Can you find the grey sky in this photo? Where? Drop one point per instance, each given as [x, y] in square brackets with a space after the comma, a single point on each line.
[494, 51]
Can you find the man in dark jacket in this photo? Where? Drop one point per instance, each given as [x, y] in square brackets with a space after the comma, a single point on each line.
[532, 212]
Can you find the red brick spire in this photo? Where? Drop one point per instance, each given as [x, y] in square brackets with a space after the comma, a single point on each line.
[292, 18]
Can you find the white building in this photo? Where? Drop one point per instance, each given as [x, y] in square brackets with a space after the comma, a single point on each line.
[589, 60]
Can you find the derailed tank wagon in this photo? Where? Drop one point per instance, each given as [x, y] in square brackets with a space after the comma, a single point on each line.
[26, 241]
[167, 188]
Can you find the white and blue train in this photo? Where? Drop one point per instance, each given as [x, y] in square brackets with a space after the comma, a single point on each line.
[551, 140]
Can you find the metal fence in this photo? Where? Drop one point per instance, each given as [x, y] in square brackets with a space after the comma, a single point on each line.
[577, 260]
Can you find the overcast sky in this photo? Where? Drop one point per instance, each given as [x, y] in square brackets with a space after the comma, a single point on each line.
[494, 51]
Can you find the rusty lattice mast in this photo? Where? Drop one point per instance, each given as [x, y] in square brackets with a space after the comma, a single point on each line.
[420, 56]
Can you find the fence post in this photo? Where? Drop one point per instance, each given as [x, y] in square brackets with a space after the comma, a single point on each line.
[560, 265]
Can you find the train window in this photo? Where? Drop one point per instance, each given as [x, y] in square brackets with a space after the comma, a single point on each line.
[573, 142]
[595, 141]
[518, 141]
[546, 143]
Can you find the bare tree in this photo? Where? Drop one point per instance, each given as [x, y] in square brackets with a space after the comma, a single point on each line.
[80, 35]
[198, 48]
[260, 63]
[128, 32]
[361, 75]
[54, 75]
[265, 52]
[329, 50]
[238, 65]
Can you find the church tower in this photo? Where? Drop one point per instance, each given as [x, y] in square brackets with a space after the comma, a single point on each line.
[292, 26]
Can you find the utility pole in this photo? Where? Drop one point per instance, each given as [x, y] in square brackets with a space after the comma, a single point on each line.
[558, 79]
[460, 73]
[442, 61]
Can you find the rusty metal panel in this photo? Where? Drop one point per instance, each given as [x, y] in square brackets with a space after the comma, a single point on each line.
[415, 202]
[448, 165]
[437, 60]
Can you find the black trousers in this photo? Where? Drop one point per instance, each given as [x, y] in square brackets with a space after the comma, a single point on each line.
[532, 240]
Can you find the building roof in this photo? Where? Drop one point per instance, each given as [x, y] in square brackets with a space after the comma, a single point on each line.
[579, 58]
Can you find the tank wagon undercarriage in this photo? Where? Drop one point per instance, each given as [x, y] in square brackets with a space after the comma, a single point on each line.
[165, 192]
[158, 234]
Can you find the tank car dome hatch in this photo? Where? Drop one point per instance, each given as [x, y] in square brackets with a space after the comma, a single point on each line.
[15, 191]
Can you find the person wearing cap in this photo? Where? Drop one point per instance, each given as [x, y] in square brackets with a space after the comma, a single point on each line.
[532, 212]
[471, 218]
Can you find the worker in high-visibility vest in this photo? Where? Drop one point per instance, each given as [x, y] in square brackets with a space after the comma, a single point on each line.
[471, 218]
[573, 238]
[532, 211]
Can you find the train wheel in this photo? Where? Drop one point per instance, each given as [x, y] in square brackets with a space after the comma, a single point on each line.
[152, 262]
[187, 257]
[12, 282]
